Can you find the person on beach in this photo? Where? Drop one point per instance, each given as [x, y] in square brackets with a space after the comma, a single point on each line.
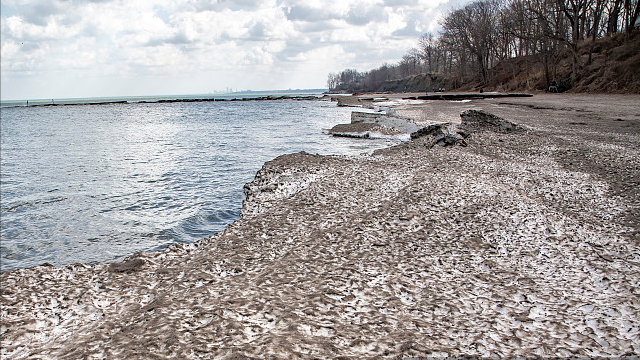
[554, 86]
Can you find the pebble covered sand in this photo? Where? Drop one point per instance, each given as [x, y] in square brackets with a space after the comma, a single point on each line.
[521, 243]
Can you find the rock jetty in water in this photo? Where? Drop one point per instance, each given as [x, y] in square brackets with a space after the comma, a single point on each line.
[521, 243]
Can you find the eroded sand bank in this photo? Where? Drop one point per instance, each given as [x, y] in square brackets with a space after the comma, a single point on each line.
[520, 243]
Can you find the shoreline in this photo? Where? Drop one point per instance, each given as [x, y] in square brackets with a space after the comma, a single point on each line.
[491, 249]
[177, 100]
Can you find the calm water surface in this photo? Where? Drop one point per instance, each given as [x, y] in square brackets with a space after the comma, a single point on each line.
[98, 183]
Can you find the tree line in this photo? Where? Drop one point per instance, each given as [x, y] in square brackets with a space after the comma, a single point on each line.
[474, 38]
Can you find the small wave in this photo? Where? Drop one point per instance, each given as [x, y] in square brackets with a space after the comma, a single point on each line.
[181, 186]
[18, 205]
[205, 224]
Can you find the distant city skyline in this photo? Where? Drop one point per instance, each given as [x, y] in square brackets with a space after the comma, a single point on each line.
[100, 48]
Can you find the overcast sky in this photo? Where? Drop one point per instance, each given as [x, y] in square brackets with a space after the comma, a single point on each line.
[76, 48]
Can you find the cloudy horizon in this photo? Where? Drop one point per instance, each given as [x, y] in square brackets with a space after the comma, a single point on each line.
[99, 48]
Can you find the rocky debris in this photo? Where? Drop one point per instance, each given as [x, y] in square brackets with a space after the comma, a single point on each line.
[480, 118]
[441, 123]
[363, 130]
[439, 134]
[129, 265]
[447, 134]
[443, 134]
[389, 120]
[353, 101]
[376, 125]
[271, 184]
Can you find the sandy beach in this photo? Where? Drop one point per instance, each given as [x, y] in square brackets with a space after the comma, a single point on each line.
[509, 243]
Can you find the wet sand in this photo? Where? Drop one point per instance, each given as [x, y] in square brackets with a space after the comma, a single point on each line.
[520, 243]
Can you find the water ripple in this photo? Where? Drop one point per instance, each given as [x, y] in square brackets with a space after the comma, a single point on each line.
[97, 183]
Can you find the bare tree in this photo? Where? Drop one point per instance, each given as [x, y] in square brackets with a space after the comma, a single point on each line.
[428, 47]
[613, 10]
[596, 15]
[410, 63]
[472, 30]
[631, 13]
[333, 80]
[477, 36]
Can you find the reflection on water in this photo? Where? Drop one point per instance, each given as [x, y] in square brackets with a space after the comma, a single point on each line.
[97, 183]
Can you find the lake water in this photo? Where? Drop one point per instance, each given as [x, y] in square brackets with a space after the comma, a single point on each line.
[96, 183]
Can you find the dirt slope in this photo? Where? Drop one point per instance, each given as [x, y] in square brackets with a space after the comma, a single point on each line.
[614, 68]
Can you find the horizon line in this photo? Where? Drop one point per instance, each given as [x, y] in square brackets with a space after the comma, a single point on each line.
[210, 94]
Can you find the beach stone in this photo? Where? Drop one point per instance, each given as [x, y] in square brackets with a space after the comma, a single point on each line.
[451, 140]
[435, 130]
[126, 266]
[443, 134]
[362, 130]
[483, 118]
[464, 134]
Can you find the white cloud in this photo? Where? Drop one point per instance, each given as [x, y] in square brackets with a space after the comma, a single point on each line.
[119, 47]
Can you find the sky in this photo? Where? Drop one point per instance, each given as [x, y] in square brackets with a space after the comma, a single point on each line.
[98, 48]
